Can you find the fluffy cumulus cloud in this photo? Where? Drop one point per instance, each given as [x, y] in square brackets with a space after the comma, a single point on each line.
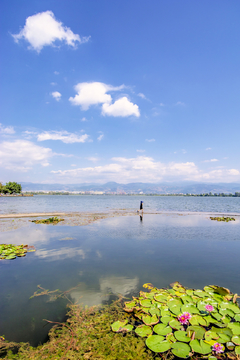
[8, 130]
[56, 95]
[97, 93]
[121, 107]
[144, 169]
[43, 29]
[22, 155]
[64, 136]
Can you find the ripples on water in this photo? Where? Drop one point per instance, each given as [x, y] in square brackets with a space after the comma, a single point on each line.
[74, 203]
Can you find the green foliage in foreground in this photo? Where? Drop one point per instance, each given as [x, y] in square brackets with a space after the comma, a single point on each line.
[186, 322]
[86, 335]
[223, 218]
[53, 220]
[10, 251]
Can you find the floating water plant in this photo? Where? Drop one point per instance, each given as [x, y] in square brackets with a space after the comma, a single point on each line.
[53, 220]
[186, 323]
[10, 251]
[224, 218]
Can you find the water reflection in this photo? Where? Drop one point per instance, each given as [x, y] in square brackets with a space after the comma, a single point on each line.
[113, 256]
[112, 285]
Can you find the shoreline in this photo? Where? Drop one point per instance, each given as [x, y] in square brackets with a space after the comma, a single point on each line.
[10, 222]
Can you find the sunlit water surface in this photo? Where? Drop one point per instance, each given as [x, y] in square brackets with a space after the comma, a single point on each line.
[112, 256]
[74, 203]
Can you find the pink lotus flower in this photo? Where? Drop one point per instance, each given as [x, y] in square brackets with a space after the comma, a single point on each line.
[218, 348]
[209, 307]
[183, 318]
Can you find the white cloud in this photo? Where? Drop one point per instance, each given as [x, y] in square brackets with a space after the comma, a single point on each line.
[161, 104]
[83, 119]
[125, 170]
[64, 136]
[100, 137]
[56, 72]
[56, 95]
[8, 130]
[43, 29]
[93, 93]
[53, 83]
[93, 159]
[208, 148]
[121, 107]
[150, 140]
[96, 93]
[141, 151]
[212, 160]
[180, 103]
[21, 155]
[141, 95]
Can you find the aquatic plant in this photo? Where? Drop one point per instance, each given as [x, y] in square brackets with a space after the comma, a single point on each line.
[223, 218]
[53, 220]
[10, 251]
[186, 322]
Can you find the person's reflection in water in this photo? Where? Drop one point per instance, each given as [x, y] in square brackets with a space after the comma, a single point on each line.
[141, 218]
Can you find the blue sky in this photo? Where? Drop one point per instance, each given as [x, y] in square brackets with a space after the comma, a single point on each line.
[125, 91]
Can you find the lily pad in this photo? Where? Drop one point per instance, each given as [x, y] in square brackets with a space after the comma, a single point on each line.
[200, 347]
[181, 350]
[189, 308]
[236, 339]
[175, 324]
[235, 327]
[166, 319]
[182, 336]
[150, 320]
[146, 303]
[156, 343]
[118, 325]
[143, 330]
[230, 345]
[129, 306]
[162, 329]
[237, 350]
[198, 330]
[209, 335]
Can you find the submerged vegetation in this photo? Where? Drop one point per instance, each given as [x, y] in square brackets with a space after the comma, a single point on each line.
[223, 218]
[53, 220]
[10, 251]
[159, 324]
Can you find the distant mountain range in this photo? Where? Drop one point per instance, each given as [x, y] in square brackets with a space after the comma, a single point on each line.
[136, 188]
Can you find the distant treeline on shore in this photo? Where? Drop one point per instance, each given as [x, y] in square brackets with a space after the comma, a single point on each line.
[236, 194]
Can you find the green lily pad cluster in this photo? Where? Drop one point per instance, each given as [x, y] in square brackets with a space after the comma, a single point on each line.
[212, 321]
[223, 218]
[10, 251]
[53, 220]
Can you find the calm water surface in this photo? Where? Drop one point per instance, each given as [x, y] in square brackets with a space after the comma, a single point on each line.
[67, 203]
[112, 256]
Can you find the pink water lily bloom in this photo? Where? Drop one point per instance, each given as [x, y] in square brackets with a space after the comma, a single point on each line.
[209, 307]
[218, 348]
[183, 318]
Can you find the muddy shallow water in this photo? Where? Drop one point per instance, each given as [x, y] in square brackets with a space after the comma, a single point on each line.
[113, 254]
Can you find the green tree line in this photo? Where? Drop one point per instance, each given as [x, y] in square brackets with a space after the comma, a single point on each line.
[10, 188]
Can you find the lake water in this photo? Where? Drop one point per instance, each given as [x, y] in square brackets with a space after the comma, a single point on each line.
[71, 203]
[112, 256]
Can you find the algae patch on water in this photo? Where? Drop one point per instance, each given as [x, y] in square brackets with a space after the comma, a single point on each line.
[10, 251]
[53, 220]
[223, 218]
